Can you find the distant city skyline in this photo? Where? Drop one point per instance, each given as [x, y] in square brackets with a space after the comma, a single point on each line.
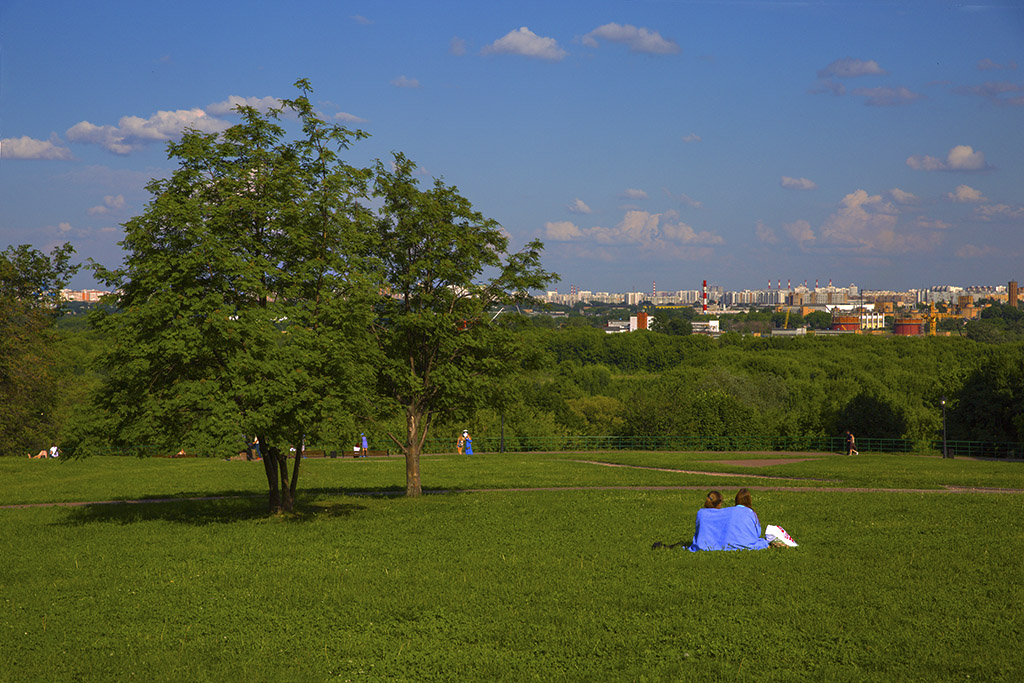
[785, 286]
[880, 143]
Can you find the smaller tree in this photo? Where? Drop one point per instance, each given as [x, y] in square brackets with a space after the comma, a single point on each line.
[441, 354]
[30, 301]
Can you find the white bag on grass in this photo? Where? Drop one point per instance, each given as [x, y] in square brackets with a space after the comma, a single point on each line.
[777, 533]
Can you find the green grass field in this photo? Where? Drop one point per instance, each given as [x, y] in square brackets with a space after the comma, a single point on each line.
[488, 583]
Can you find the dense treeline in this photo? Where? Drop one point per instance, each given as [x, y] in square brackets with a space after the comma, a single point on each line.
[585, 382]
[650, 384]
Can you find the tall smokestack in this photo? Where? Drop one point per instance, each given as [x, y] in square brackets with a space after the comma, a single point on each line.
[705, 290]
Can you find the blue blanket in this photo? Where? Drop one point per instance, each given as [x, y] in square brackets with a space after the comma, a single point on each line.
[733, 528]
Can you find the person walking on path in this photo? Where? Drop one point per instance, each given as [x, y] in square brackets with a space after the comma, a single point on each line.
[851, 445]
[468, 443]
[460, 443]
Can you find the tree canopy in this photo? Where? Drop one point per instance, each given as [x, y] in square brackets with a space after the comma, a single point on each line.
[241, 304]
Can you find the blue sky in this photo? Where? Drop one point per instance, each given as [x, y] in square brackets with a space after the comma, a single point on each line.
[868, 142]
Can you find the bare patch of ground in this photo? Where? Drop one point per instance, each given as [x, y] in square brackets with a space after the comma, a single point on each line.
[760, 463]
[704, 472]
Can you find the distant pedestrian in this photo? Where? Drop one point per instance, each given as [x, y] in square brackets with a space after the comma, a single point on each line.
[365, 446]
[851, 444]
[469, 443]
[460, 443]
[54, 451]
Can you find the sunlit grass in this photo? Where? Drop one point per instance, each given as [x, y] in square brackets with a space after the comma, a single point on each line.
[503, 585]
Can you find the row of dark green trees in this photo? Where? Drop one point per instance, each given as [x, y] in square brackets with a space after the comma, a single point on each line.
[581, 382]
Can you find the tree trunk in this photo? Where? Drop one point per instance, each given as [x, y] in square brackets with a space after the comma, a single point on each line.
[287, 502]
[414, 444]
[270, 466]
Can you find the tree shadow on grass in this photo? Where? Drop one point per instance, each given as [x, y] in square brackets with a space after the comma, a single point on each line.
[215, 509]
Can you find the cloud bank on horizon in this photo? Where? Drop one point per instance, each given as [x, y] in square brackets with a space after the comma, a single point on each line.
[762, 163]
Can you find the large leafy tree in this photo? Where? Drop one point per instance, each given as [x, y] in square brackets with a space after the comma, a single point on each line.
[239, 305]
[441, 351]
[30, 284]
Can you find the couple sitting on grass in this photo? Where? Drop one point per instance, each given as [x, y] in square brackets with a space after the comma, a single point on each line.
[731, 528]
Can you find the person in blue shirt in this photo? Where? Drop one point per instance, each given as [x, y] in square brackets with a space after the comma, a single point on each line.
[734, 528]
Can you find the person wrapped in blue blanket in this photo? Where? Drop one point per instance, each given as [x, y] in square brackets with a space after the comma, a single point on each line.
[733, 528]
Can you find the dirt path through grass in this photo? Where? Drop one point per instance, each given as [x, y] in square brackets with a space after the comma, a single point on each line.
[741, 463]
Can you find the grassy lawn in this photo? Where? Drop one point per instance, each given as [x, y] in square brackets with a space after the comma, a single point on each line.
[508, 585]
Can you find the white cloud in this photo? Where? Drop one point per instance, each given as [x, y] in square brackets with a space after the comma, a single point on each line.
[30, 148]
[996, 92]
[971, 251]
[1005, 211]
[932, 224]
[902, 197]
[797, 183]
[228, 106]
[561, 231]
[848, 67]
[692, 137]
[457, 46]
[579, 206]
[960, 158]
[638, 39]
[920, 162]
[887, 97]
[867, 223]
[651, 231]
[110, 203]
[988, 65]
[683, 198]
[964, 158]
[133, 132]
[634, 194]
[965, 194]
[348, 118]
[801, 231]
[360, 19]
[526, 43]
[765, 234]
[405, 82]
